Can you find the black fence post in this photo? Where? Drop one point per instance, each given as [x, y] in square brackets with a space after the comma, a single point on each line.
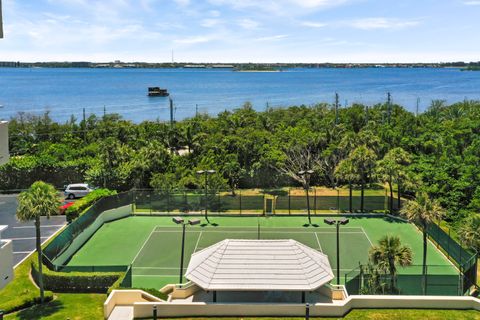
[314, 200]
[289, 206]
[240, 200]
[155, 316]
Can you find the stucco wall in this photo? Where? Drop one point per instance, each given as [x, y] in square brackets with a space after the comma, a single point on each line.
[6, 262]
[109, 215]
[144, 309]
[4, 151]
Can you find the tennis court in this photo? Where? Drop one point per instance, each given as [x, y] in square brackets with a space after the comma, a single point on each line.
[152, 245]
[158, 260]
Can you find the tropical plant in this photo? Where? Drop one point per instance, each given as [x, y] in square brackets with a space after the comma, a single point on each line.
[424, 211]
[469, 232]
[363, 159]
[346, 171]
[41, 199]
[392, 168]
[389, 253]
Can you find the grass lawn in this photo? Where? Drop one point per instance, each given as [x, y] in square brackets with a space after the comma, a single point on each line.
[65, 306]
[21, 291]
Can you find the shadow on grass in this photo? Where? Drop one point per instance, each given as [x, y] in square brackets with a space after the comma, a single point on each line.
[41, 311]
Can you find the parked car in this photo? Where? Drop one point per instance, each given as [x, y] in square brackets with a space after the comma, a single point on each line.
[77, 190]
[65, 206]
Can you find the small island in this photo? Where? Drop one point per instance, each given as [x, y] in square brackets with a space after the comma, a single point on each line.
[257, 68]
[471, 68]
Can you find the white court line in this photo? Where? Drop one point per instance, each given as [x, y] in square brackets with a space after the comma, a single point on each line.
[21, 252]
[162, 268]
[29, 238]
[141, 248]
[32, 227]
[318, 241]
[368, 238]
[255, 226]
[155, 275]
[198, 240]
[266, 231]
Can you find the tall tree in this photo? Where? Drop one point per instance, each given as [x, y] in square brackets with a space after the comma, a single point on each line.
[388, 254]
[392, 168]
[41, 199]
[469, 232]
[424, 211]
[346, 171]
[363, 159]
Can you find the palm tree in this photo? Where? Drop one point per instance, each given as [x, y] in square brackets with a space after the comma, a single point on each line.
[469, 232]
[363, 159]
[392, 168]
[346, 171]
[388, 254]
[424, 211]
[41, 199]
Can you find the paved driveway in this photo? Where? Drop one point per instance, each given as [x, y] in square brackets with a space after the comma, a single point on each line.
[23, 233]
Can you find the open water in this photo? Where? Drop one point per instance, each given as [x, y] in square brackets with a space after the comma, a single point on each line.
[65, 92]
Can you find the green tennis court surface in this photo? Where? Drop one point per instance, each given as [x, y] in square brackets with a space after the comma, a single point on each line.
[152, 245]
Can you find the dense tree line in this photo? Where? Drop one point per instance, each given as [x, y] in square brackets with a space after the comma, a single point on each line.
[436, 152]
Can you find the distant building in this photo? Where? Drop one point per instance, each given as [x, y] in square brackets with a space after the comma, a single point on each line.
[4, 150]
[6, 260]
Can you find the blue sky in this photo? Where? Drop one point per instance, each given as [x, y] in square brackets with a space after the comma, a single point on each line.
[242, 30]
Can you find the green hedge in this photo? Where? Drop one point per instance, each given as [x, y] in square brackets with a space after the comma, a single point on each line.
[80, 205]
[76, 282]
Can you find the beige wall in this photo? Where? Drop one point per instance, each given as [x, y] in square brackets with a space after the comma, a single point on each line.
[4, 151]
[144, 309]
[6, 262]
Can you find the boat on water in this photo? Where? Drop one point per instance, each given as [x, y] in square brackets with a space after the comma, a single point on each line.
[157, 92]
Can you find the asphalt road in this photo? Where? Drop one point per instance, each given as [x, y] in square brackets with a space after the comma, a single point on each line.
[22, 234]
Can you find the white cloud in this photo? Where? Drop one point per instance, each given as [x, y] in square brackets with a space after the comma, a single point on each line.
[381, 23]
[472, 3]
[312, 24]
[209, 23]
[194, 40]
[182, 3]
[248, 24]
[272, 38]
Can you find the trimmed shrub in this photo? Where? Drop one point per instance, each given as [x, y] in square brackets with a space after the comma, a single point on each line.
[82, 204]
[76, 282]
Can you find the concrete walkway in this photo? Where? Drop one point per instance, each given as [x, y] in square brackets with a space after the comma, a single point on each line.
[121, 313]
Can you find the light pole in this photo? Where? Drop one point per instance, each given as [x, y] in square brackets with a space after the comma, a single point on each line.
[337, 223]
[192, 222]
[206, 173]
[307, 174]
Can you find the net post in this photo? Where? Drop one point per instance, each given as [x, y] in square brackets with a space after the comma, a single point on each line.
[240, 200]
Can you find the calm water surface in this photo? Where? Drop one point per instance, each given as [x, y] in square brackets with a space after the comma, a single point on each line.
[66, 91]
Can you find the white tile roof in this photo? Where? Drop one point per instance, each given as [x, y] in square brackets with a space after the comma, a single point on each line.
[259, 265]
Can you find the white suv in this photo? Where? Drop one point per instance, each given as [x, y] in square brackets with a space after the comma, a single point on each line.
[77, 190]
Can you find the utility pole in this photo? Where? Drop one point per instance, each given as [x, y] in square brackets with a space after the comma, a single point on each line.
[171, 112]
[84, 127]
[389, 106]
[196, 110]
[104, 111]
[418, 105]
[336, 107]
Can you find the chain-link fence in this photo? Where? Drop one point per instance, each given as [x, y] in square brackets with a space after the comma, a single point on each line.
[465, 260]
[285, 201]
[439, 280]
[72, 233]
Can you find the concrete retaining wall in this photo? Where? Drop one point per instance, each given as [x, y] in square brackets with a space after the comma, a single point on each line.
[82, 238]
[6, 262]
[144, 309]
